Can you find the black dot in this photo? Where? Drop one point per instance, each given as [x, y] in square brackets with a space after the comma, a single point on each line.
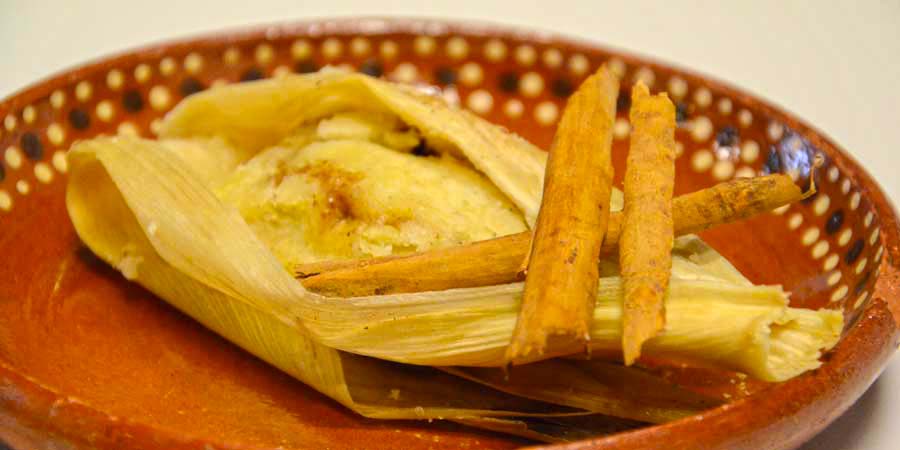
[79, 119]
[727, 136]
[854, 252]
[561, 87]
[32, 146]
[372, 68]
[508, 82]
[423, 150]
[861, 284]
[305, 67]
[773, 162]
[833, 224]
[623, 102]
[445, 75]
[252, 74]
[2, 173]
[681, 112]
[190, 86]
[3, 446]
[132, 101]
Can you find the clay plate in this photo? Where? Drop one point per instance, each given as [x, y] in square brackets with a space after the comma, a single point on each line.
[88, 360]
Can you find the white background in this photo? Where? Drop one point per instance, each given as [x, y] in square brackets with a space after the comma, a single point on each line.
[836, 66]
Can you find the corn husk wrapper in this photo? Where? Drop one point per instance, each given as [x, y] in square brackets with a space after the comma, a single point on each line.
[149, 212]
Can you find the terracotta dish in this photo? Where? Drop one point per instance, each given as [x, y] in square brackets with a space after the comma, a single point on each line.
[88, 360]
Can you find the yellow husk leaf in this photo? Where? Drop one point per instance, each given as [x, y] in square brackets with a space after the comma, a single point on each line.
[150, 213]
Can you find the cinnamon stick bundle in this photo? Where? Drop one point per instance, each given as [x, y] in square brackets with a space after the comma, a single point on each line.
[645, 250]
[497, 261]
[561, 285]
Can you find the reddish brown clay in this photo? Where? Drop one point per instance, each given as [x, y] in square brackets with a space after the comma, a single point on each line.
[88, 360]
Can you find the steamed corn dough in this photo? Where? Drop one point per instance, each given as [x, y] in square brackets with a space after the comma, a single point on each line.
[214, 242]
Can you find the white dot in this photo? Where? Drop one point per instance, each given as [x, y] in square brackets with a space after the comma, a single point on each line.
[779, 211]
[725, 106]
[23, 187]
[57, 99]
[617, 67]
[531, 84]
[860, 300]
[552, 58]
[745, 118]
[809, 236]
[281, 71]
[702, 97]
[873, 238]
[470, 74]
[5, 201]
[360, 46]
[579, 64]
[301, 49]
[424, 45]
[868, 219]
[878, 253]
[83, 91]
[820, 206]
[775, 130]
[845, 185]
[43, 172]
[127, 129]
[621, 128]
[389, 49]
[546, 112]
[749, 151]
[833, 174]
[646, 75]
[525, 55]
[10, 122]
[861, 265]
[405, 73]
[839, 293]
[723, 169]
[56, 134]
[13, 157]
[457, 48]
[450, 95]
[702, 160]
[60, 162]
[701, 128]
[167, 66]
[115, 79]
[831, 262]
[844, 237]
[332, 48]
[679, 148]
[820, 249]
[160, 98]
[231, 56]
[795, 221]
[677, 87]
[29, 114]
[833, 278]
[480, 101]
[746, 172]
[513, 108]
[142, 73]
[155, 126]
[105, 111]
[193, 63]
[495, 50]
[264, 54]
[218, 82]
[854, 201]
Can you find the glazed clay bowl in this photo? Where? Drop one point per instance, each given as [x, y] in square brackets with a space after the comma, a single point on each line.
[88, 360]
